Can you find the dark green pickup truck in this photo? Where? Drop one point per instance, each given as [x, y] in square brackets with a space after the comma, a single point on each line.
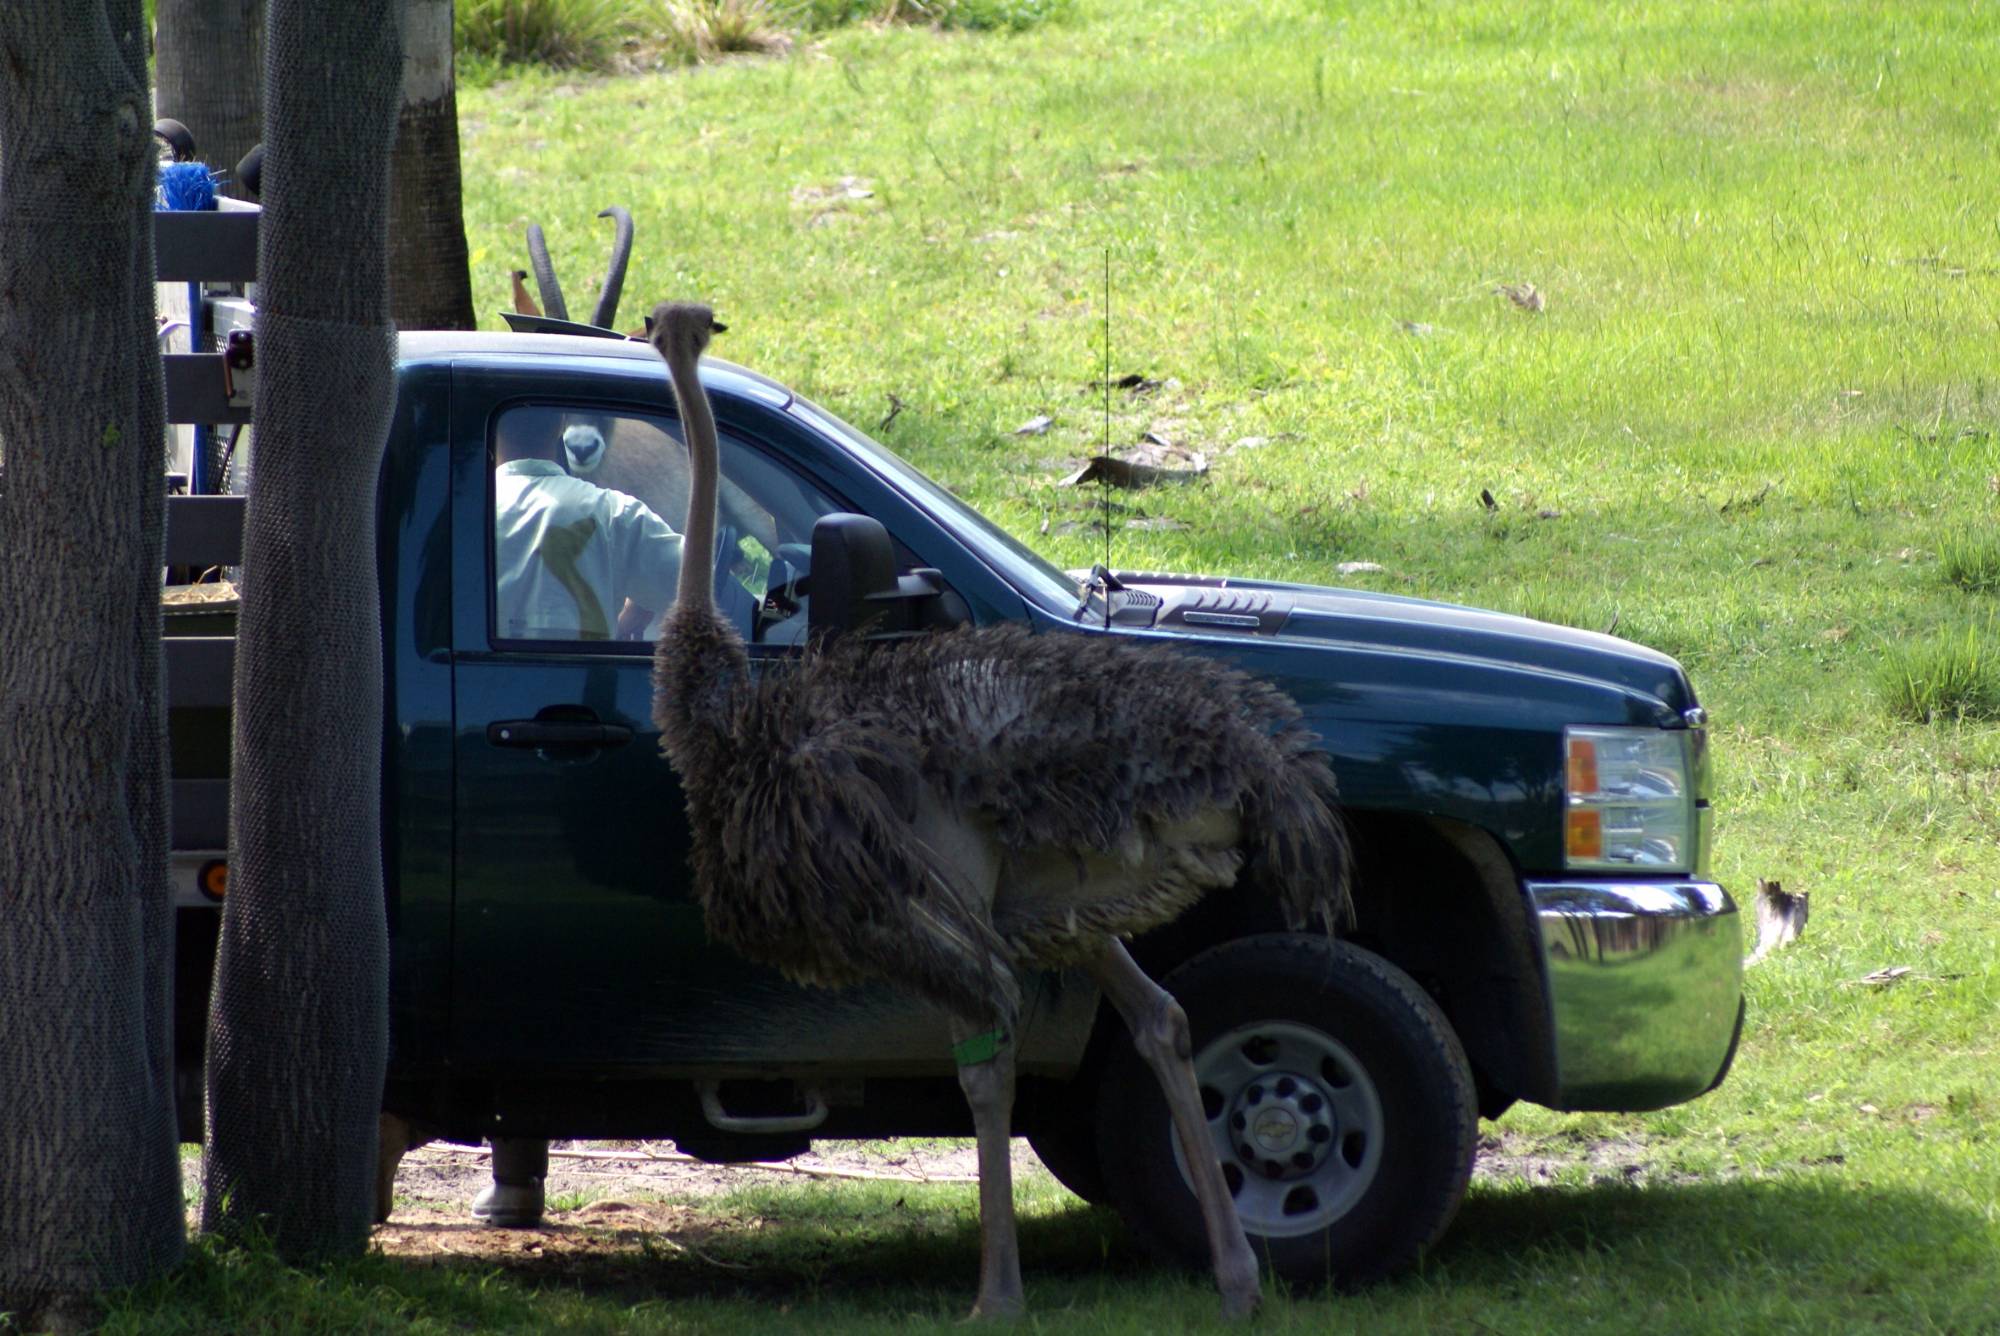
[1528, 803]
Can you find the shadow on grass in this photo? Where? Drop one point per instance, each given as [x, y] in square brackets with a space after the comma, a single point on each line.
[917, 1255]
[1815, 1238]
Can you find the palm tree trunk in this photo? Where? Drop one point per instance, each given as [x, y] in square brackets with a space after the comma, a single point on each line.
[298, 1020]
[430, 286]
[211, 65]
[89, 1176]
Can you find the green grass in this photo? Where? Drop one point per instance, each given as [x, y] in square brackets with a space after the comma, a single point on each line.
[557, 33]
[1762, 386]
[1971, 560]
[497, 37]
[1952, 675]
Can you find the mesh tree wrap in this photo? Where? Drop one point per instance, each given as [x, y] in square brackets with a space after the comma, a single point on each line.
[89, 1175]
[298, 1030]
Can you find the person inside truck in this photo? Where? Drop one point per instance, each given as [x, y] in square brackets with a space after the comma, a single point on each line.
[573, 560]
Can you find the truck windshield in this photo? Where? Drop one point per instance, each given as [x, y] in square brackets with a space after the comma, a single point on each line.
[1011, 558]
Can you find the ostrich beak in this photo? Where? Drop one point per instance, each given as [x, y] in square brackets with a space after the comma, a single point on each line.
[716, 326]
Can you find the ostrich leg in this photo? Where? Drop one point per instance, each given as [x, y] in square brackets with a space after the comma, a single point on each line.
[986, 1075]
[1160, 1032]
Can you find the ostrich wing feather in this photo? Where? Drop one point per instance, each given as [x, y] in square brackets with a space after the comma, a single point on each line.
[813, 855]
[1071, 739]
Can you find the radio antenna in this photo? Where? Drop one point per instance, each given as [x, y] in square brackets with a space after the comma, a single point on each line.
[1104, 481]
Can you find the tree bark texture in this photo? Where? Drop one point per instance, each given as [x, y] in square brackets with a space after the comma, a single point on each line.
[430, 285]
[210, 56]
[90, 1192]
[298, 1018]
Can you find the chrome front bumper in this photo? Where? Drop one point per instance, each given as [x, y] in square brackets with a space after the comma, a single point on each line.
[1645, 985]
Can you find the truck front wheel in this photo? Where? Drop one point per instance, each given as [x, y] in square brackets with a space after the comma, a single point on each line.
[1338, 1099]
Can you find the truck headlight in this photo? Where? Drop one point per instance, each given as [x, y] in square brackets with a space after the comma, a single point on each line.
[1629, 799]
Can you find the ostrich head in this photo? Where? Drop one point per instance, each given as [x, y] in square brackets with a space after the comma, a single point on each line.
[680, 331]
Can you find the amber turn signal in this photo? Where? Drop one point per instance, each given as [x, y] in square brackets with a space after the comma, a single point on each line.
[1584, 833]
[1582, 766]
[214, 879]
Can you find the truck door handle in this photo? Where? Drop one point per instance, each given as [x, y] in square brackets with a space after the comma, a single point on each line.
[539, 733]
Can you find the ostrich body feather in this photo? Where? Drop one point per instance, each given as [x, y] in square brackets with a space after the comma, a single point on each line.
[946, 810]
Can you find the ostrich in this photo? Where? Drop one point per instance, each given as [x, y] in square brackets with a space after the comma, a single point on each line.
[948, 811]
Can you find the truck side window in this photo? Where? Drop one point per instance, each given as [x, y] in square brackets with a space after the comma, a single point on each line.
[586, 509]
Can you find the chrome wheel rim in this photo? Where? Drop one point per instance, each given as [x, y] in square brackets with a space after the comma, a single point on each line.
[1296, 1122]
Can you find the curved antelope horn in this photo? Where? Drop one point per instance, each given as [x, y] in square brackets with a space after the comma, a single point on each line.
[553, 305]
[614, 277]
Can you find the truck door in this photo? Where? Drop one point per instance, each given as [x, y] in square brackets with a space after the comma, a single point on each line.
[578, 944]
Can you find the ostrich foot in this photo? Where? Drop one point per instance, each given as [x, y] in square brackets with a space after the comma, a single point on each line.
[999, 1308]
[1241, 1306]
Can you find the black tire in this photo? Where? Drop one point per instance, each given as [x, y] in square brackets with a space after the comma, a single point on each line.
[1066, 1142]
[1364, 1092]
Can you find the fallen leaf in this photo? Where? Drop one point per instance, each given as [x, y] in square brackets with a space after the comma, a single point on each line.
[1883, 977]
[1868, 1108]
[1419, 328]
[1358, 567]
[1124, 473]
[846, 188]
[1154, 523]
[1035, 426]
[1486, 499]
[1523, 295]
[1747, 502]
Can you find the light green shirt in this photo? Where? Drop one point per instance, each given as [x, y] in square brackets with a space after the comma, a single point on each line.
[568, 553]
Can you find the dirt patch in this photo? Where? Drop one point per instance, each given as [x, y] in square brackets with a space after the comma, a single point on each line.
[1504, 1155]
[617, 1209]
[635, 1199]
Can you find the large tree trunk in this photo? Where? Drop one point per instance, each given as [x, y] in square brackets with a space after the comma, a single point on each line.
[90, 1192]
[430, 286]
[298, 1020]
[211, 76]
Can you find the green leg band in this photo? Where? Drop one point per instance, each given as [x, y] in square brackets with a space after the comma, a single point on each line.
[980, 1048]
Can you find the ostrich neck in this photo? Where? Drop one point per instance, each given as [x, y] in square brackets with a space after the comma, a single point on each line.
[698, 533]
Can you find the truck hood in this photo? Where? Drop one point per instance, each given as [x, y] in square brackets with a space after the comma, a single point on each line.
[1277, 613]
